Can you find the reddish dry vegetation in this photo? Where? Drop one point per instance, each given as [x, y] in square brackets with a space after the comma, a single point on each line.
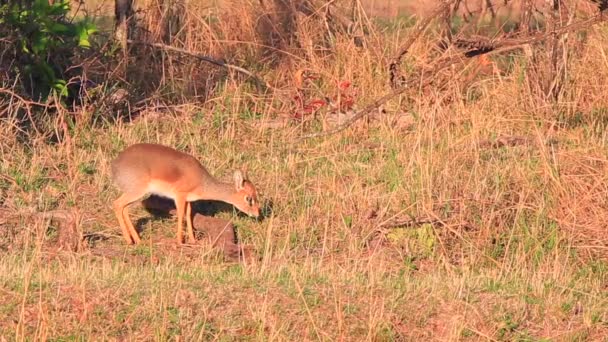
[451, 185]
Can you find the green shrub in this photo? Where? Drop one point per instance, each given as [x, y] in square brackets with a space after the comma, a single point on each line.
[43, 40]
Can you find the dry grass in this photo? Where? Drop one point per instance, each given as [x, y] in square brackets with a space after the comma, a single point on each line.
[513, 246]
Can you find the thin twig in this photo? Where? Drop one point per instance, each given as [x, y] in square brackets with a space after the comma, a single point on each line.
[207, 59]
[365, 111]
[395, 76]
[28, 104]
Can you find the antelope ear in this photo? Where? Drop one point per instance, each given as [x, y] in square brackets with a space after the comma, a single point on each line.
[239, 180]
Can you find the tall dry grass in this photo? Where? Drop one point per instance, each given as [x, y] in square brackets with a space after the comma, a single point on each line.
[469, 210]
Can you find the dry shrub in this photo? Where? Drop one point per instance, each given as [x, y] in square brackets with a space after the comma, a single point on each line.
[585, 77]
[303, 29]
[173, 76]
[255, 35]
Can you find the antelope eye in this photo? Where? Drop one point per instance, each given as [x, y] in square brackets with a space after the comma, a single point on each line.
[249, 200]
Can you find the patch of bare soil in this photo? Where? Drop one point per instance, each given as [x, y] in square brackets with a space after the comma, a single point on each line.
[214, 231]
[60, 231]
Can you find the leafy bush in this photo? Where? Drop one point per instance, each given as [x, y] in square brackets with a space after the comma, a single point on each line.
[43, 40]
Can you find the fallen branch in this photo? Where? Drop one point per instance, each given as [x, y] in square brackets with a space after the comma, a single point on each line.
[504, 141]
[480, 46]
[258, 80]
[379, 235]
[365, 111]
[410, 222]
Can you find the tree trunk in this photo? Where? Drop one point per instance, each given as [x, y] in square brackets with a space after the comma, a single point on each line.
[123, 12]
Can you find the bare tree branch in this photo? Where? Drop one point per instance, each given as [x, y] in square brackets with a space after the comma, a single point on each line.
[259, 81]
[393, 68]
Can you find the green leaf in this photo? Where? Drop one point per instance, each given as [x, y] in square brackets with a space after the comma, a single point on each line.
[21, 17]
[61, 87]
[24, 47]
[40, 42]
[87, 26]
[59, 8]
[40, 6]
[84, 29]
[84, 42]
[46, 72]
[90, 26]
[58, 28]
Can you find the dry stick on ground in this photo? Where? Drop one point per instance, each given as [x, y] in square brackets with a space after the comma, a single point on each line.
[69, 235]
[409, 222]
[360, 114]
[378, 236]
[487, 48]
[259, 81]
